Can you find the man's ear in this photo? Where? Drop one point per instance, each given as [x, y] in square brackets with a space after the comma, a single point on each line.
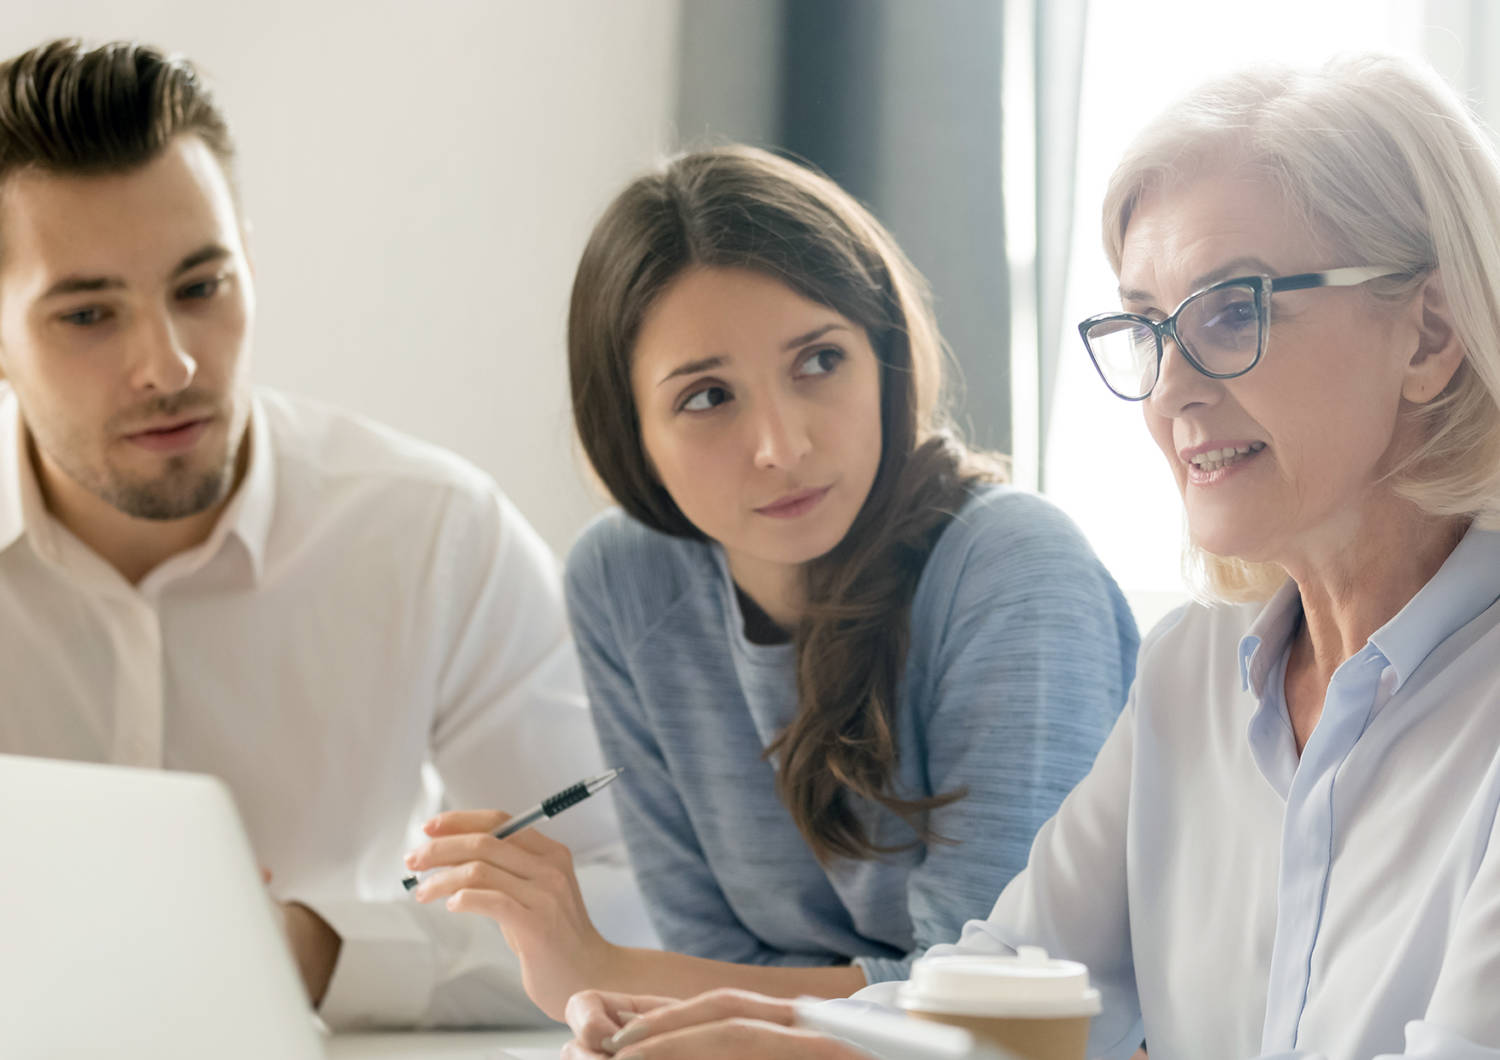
[1439, 351]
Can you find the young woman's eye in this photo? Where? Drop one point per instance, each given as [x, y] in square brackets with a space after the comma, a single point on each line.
[821, 362]
[702, 400]
[87, 317]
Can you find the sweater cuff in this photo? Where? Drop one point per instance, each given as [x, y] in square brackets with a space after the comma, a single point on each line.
[884, 969]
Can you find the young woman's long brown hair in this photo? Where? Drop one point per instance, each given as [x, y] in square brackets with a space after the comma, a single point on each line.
[739, 207]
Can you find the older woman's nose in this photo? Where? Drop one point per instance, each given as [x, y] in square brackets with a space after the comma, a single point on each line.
[1179, 385]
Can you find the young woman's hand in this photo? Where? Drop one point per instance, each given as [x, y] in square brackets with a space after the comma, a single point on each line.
[724, 1024]
[526, 884]
[597, 1015]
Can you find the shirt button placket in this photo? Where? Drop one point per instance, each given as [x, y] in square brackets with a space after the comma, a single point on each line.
[139, 715]
[1307, 847]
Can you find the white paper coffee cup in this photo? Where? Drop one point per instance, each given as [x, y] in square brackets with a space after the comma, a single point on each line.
[1030, 1004]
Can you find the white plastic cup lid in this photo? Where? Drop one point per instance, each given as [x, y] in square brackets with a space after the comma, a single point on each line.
[1028, 985]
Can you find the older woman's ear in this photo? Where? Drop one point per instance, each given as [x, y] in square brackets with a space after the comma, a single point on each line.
[1439, 351]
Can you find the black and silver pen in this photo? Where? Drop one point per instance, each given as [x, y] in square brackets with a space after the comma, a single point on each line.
[547, 808]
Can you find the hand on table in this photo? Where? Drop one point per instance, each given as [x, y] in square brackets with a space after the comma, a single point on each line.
[526, 884]
[595, 1015]
[724, 1024]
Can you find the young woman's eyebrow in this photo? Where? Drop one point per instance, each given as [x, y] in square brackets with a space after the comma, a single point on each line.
[703, 364]
[813, 335]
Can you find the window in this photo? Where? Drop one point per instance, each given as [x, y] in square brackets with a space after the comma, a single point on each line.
[1099, 463]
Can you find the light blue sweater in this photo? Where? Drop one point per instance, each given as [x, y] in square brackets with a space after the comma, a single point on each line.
[1021, 652]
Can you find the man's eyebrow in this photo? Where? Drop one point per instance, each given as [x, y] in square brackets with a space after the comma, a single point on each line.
[201, 256]
[1246, 266]
[81, 284]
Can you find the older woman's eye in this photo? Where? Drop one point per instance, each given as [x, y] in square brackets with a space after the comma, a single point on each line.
[710, 397]
[821, 362]
[1234, 316]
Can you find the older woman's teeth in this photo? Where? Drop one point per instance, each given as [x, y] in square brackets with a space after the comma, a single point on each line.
[1214, 459]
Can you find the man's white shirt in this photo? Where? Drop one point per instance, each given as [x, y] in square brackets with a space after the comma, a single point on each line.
[367, 611]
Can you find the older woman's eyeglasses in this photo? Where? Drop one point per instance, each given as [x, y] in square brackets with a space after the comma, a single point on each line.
[1221, 330]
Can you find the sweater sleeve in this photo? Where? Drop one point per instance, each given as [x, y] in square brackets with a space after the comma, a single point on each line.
[1032, 650]
[687, 906]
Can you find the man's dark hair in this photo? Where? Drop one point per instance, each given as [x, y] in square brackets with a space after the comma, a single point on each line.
[69, 109]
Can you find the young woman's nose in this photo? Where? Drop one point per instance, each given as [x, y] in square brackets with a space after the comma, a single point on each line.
[781, 438]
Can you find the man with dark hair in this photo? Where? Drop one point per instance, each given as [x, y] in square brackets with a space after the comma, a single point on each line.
[197, 574]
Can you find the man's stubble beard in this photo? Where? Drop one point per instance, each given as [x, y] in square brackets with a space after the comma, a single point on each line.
[176, 494]
[180, 491]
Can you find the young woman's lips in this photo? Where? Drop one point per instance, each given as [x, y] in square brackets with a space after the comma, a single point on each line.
[795, 504]
[176, 438]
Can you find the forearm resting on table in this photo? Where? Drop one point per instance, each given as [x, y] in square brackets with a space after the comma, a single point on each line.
[641, 971]
[315, 947]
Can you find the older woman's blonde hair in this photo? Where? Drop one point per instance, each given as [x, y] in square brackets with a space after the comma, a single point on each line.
[1388, 167]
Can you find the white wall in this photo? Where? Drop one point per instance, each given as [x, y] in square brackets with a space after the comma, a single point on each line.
[421, 178]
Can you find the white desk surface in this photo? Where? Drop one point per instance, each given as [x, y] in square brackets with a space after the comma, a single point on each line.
[454, 1045]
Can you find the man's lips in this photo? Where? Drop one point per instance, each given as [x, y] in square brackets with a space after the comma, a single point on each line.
[794, 503]
[171, 436]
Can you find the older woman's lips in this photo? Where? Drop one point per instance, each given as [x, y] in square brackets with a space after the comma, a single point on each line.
[1212, 465]
[795, 504]
[172, 438]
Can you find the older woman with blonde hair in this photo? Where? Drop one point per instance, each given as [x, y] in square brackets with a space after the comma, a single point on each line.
[1290, 845]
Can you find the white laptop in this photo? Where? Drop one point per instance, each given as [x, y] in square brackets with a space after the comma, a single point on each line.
[134, 923]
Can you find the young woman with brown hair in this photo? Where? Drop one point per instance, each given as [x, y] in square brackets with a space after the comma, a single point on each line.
[848, 672]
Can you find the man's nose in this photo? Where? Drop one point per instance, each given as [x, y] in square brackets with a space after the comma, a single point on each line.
[160, 360]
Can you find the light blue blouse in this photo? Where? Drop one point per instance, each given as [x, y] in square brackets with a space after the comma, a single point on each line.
[1021, 651]
[1232, 900]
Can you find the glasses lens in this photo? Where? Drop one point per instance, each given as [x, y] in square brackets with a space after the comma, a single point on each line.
[1221, 328]
[1125, 352]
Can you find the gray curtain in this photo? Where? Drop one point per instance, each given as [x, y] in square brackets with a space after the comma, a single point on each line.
[901, 102]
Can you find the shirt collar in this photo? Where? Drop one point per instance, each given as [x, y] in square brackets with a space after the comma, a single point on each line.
[21, 509]
[12, 522]
[1268, 636]
[1465, 585]
[247, 516]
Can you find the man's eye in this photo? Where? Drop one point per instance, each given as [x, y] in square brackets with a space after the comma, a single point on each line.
[86, 317]
[202, 288]
[822, 362]
[703, 400]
